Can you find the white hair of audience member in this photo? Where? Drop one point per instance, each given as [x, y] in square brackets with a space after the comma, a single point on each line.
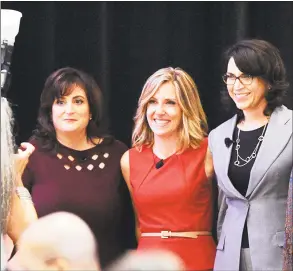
[58, 241]
[148, 260]
[7, 162]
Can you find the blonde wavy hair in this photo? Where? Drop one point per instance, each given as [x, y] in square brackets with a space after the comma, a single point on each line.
[7, 161]
[194, 122]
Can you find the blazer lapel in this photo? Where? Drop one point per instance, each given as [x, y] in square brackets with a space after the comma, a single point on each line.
[277, 135]
[226, 157]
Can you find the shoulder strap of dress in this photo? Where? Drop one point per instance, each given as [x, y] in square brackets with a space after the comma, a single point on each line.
[140, 164]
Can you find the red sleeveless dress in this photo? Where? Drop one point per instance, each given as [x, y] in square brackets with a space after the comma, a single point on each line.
[176, 197]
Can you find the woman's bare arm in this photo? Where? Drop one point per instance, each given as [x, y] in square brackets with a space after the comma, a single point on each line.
[209, 165]
[22, 210]
[125, 167]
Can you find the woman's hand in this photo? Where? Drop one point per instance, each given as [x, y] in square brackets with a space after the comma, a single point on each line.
[21, 158]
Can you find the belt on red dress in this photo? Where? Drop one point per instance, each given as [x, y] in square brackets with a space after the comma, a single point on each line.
[170, 234]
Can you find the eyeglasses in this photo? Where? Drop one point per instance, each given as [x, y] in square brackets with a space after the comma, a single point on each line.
[230, 79]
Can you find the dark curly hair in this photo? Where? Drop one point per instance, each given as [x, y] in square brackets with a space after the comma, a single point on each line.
[58, 84]
[261, 59]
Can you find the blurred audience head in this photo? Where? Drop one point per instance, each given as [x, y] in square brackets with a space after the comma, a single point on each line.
[7, 161]
[148, 260]
[59, 241]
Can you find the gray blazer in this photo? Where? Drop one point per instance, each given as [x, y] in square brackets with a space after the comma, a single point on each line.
[264, 205]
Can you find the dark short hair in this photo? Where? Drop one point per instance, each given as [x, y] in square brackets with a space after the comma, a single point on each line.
[261, 59]
[58, 84]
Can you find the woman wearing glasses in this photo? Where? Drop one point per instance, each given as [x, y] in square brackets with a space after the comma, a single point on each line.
[252, 156]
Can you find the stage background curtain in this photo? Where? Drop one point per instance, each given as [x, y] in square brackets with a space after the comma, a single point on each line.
[122, 43]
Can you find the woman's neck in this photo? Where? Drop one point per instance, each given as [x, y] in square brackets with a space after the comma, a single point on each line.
[254, 118]
[165, 147]
[76, 141]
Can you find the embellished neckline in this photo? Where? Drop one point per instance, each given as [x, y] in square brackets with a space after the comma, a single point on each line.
[88, 159]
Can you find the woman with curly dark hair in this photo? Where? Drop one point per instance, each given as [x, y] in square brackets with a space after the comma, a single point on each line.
[252, 156]
[76, 166]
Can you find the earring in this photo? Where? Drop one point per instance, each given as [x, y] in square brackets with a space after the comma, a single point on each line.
[90, 118]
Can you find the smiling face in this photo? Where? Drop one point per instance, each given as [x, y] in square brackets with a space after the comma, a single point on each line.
[163, 112]
[246, 97]
[71, 113]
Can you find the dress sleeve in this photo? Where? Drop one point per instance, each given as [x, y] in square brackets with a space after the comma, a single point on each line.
[28, 173]
[128, 227]
[28, 178]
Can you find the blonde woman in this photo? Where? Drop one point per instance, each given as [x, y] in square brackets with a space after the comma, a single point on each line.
[17, 210]
[168, 172]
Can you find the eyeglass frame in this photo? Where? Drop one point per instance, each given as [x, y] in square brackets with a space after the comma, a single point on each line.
[239, 79]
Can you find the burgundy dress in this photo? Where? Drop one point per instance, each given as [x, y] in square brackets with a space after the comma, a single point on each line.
[89, 184]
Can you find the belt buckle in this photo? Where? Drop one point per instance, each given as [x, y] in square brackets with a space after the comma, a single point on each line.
[165, 234]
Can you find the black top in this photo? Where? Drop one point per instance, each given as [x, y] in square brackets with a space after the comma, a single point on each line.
[239, 176]
[89, 184]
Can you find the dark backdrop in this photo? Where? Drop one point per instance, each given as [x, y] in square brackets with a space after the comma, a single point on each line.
[122, 43]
